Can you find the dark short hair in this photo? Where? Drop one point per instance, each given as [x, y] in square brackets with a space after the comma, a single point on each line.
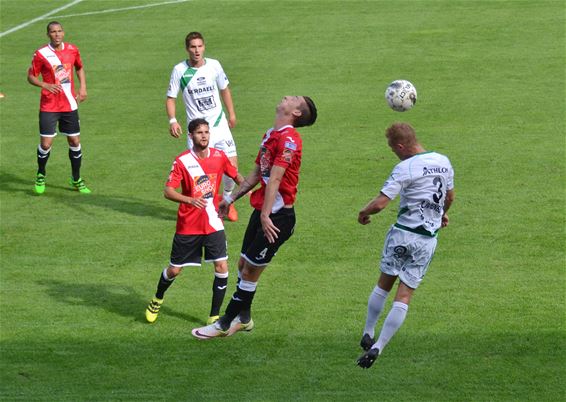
[191, 36]
[308, 114]
[194, 124]
[53, 23]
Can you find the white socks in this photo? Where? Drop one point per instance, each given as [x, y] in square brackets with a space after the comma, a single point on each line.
[391, 324]
[376, 302]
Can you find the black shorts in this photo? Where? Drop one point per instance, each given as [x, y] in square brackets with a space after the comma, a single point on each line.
[68, 123]
[255, 248]
[187, 249]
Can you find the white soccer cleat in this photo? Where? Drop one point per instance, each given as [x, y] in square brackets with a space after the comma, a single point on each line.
[209, 332]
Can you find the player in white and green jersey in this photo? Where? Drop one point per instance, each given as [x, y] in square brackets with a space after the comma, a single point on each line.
[204, 87]
[425, 182]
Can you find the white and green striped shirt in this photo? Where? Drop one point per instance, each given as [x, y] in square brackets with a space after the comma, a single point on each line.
[200, 88]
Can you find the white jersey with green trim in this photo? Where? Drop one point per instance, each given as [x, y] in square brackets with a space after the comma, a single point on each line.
[422, 182]
[200, 88]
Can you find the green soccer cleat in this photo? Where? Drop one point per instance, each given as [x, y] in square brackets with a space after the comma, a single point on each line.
[80, 186]
[212, 319]
[152, 309]
[39, 183]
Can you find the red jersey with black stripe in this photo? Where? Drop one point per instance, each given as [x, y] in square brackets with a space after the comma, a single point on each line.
[283, 148]
[200, 177]
[56, 67]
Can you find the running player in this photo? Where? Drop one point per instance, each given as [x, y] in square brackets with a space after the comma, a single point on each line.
[203, 83]
[425, 182]
[273, 220]
[58, 103]
[198, 172]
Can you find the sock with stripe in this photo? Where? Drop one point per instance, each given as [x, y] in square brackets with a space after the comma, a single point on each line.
[241, 301]
[42, 157]
[163, 284]
[218, 291]
[76, 157]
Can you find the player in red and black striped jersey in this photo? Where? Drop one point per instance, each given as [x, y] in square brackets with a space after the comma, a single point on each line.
[198, 172]
[58, 103]
[272, 222]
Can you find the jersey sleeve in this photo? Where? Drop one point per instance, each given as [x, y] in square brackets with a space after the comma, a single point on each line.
[35, 68]
[78, 60]
[393, 185]
[174, 84]
[175, 176]
[221, 78]
[287, 147]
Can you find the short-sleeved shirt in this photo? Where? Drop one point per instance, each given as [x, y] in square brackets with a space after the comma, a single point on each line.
[200, 178]
[200, 88]
[422, 182]
[283, 148]
[56, 67]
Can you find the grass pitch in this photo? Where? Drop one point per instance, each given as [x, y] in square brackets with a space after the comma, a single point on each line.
[77, 271]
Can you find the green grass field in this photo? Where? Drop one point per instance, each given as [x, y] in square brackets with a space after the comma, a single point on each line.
[488, 322]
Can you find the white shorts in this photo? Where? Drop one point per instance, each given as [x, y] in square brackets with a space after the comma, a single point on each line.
[220, 138]
[407, 255]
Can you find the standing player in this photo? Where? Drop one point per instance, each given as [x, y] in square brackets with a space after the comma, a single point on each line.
[425, 182]
[273, 220]
[198, 171]
[203, 82]
[58, 103]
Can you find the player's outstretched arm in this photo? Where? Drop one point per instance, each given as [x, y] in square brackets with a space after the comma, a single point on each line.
[373, 207]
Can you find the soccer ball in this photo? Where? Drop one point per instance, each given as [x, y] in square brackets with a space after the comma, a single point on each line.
[401, 95]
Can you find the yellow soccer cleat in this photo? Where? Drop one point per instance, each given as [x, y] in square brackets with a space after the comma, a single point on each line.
[152, 309]
[212, 319]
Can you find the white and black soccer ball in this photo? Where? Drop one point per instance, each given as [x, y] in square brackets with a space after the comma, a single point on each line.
[401, 95]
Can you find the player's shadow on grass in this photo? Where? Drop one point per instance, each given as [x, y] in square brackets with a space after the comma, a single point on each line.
[65, 194]
[120, 300]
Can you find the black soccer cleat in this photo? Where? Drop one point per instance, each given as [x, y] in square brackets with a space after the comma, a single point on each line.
[367, 342]
[367, 359]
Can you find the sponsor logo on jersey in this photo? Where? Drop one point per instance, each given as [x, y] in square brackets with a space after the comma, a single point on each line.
[429, 205]
[204, 186]
[201, 81]
[209, 88]
[434, 170]
[290, 145]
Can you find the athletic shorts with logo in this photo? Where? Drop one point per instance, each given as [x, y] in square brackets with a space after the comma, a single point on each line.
[220, 138]
[187, 249]
[255, 247]
[407, 255]
[69, 124]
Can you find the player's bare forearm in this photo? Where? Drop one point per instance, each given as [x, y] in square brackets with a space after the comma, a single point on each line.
[53, 88]
[171, 194]
[81, 75]
[226, 96]
[248, 183]
[174, 127]
[373, 207]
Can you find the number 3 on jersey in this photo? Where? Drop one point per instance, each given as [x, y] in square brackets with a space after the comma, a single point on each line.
[438, 195]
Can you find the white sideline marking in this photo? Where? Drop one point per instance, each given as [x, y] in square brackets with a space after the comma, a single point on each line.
[25, 24]
[111, 10]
